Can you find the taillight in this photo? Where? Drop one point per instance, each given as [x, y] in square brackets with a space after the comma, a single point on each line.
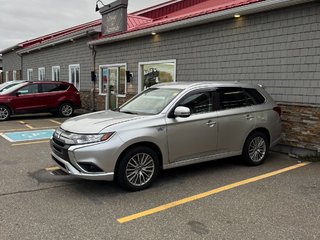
[278, 110]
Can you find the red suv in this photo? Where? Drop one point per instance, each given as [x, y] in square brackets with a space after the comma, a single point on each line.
[35, 97]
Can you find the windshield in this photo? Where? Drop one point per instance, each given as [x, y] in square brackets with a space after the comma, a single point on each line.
[12, 88]
[6, 86]
[151, 101]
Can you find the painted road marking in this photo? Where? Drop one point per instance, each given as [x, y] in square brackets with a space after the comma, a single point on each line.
[28, 135]
[23, 129]
[26, 124]
[208, 193]
[29, 143]
[54, 121]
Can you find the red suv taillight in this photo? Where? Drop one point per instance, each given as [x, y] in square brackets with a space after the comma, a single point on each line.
[278, 110]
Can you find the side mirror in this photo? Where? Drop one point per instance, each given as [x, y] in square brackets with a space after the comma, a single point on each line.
[183, 112]
[18, 94]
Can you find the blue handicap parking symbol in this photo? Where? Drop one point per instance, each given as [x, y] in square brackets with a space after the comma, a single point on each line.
[28, 135]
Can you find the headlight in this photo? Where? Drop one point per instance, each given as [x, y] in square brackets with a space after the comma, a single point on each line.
[73, 138]
[85, 139]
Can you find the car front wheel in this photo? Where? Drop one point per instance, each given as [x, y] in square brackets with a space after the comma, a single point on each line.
[137, 168]
[66, 110]
[4, 113]
[255, 149]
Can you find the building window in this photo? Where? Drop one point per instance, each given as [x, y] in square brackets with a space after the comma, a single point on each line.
[74, 75]
[29, 74]
[56, 73]
[14, 75]
[41, 74]
[115, 76]
[151, 73]
[7, 76]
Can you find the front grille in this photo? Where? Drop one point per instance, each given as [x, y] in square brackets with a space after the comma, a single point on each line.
[60, 149]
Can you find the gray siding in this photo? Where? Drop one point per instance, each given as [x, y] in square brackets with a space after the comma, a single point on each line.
[11, 61]
[279, 49]
[62, 55]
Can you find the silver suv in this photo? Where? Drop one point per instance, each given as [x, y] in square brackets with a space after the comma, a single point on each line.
[169, 125]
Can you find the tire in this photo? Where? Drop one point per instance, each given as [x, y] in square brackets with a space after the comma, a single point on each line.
[255, 149]
[137, 168]
[4, 113]
[66, 110]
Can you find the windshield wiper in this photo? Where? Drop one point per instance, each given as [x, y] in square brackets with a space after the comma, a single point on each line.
[128, 112]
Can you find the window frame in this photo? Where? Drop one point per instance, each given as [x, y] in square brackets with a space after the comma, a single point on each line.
[240, 89]
[14, 75]
[53, 72]
[29, 70]
[7, 76]
[39, 73]
[140, 64]
[71, 66]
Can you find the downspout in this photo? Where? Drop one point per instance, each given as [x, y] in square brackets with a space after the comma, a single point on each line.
[93, 90]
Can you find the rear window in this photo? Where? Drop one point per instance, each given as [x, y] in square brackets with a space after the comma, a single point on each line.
[53, 87]
[255, 95]
[234, 98]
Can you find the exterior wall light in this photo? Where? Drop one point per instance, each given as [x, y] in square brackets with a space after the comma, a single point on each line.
[237, 15]
[153, 33]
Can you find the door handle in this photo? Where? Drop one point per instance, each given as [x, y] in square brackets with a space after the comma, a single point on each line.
[211, 123]
[249, 117]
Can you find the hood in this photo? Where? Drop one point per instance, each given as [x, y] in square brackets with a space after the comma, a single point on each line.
[96, 122]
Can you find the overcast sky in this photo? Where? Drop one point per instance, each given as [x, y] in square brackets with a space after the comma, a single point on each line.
[22, 20]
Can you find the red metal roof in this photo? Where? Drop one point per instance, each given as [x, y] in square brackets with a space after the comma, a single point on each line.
[207, 7]
[180, 10]
[165, 8]
[133, 21]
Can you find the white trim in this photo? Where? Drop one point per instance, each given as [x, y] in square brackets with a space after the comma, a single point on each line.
[52, 72]
[75, 66]
[112, 65]
[14, 75]
[29, 70]
[7, 76]
[174, 61]
[44, 75]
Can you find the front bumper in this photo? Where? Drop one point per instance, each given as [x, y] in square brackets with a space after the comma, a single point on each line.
[73, 159]
[68, 168]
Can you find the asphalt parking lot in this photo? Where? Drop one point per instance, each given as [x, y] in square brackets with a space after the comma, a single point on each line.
[217, 200]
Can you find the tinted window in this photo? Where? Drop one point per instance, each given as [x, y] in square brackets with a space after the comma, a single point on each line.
[255, 95]
[50, 87]
[200, 102]
[29, 89]
[234, 98]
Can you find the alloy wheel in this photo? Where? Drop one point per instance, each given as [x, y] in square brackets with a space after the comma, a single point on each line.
[4, 113]
[140, 169]
[257, 149]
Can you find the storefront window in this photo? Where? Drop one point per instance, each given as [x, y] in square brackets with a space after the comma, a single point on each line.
[156, 72]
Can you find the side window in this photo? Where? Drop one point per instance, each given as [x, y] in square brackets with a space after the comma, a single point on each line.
[29, 89]
[255, 95]
[233, 98]
[53, 87]
[200, 102]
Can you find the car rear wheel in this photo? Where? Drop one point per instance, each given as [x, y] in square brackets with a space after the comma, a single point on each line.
[4, 113]
[66, 110]
[255, 149]
[137, 169]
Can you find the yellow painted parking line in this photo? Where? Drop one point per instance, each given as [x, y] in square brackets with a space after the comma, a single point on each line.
[208, 193]
[26, 124]
[54, 121]
[51, 169]
[29, 143]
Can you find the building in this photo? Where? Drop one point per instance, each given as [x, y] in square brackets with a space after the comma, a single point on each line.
[275, 43]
